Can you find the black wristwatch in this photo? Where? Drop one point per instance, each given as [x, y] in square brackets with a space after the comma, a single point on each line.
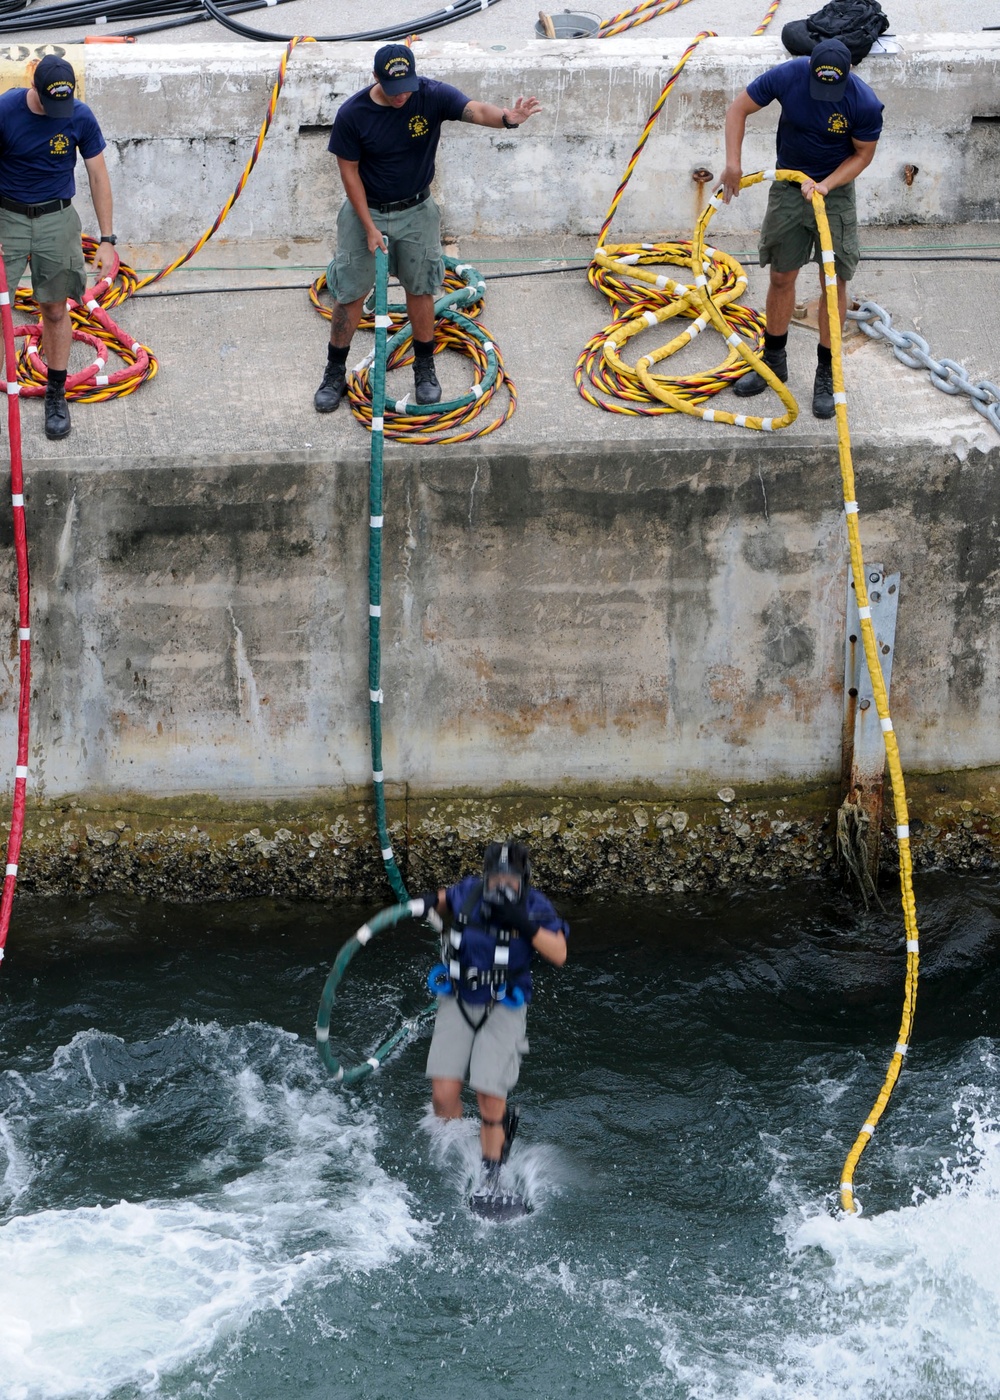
[511, 126]
[108, 238]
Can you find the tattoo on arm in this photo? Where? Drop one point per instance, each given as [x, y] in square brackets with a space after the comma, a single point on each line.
[467, 115]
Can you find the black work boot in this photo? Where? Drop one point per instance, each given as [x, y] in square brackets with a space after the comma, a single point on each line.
[425, 381]
[327, 397]
[753, 383]
[57, 424]
[823, 404]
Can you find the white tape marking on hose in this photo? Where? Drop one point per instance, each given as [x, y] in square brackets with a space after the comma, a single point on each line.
[13, 389]
[364, 934]
[903, 831]
[709, 415]
[371, 1060]
[767, 425]
[850, 507]
[886, 726]
[387, 853]
[662, 281]
[868, 1129]
[828, 255]
[374, 610]
[93, 306]
[4, 298]
[11, 870]
[17, 500]
[378, 775]
[339, 1075]
[101, 379]
[378, 422]
[136, 347]
[770, 174]
[21, 770]
[489, 347]
[733, 340]
[24, 634]
[740, 420]
[651, 318]
[382, 323]
[864, 613]
[901, 1049]
[701, 281]
[322, 1035]
[912, 945]
[400, 404]
[840, 398]
[375, 696]
[830, 281]
[375, 521]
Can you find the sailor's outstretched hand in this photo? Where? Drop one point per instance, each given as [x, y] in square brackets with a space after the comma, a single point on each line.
[522, 109]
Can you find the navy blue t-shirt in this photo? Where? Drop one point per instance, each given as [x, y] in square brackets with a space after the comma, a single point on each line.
[816, 137]
[539, 907]
[38, 153]
[395, 146]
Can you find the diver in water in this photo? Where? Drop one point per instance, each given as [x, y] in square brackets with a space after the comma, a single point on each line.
[498, 922]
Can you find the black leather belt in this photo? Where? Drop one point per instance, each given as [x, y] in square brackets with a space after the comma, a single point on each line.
[33, 211]
[398, 204]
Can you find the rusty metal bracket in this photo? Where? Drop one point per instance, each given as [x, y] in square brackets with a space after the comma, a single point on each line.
[863, 747]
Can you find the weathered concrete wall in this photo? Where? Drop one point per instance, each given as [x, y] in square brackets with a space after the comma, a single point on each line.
[668, 619]
[182, 119]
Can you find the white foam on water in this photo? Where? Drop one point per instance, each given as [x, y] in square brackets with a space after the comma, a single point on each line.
[903, 1305]
[105, 1296]
[535, 1171]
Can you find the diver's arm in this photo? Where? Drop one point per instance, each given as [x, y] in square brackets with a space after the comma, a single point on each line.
[551, 946]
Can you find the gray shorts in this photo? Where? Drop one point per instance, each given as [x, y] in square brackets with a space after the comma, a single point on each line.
[489, 1058]
[789, 237]
[415, 255]
[53, 244]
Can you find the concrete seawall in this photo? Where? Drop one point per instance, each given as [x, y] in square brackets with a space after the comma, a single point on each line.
[181, 119]
[622, 637]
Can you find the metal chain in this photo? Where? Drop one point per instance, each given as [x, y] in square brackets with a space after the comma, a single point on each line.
[912, 350]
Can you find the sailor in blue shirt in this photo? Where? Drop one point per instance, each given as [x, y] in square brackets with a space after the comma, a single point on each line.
[499, 921]
[830, 123]
[41, 130]
[385, 139]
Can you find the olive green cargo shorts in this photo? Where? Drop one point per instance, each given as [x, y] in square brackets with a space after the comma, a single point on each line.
[52, 243]
[789, 238]
[415, 256]
[490, 1057]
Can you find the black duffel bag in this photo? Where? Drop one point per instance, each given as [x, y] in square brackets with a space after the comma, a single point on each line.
[857, 23]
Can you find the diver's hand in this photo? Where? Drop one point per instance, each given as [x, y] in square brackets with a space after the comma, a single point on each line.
[516, 917]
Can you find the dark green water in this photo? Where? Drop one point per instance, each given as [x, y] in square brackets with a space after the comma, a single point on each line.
[188, 1208]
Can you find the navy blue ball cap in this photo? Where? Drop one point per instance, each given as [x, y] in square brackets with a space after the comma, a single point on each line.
[55, 83]
[396, 69]
[829, 70]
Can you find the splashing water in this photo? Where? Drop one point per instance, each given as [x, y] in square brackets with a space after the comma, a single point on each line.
[188, 1207]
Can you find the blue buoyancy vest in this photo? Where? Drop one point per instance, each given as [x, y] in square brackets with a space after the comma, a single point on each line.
[486, 961]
